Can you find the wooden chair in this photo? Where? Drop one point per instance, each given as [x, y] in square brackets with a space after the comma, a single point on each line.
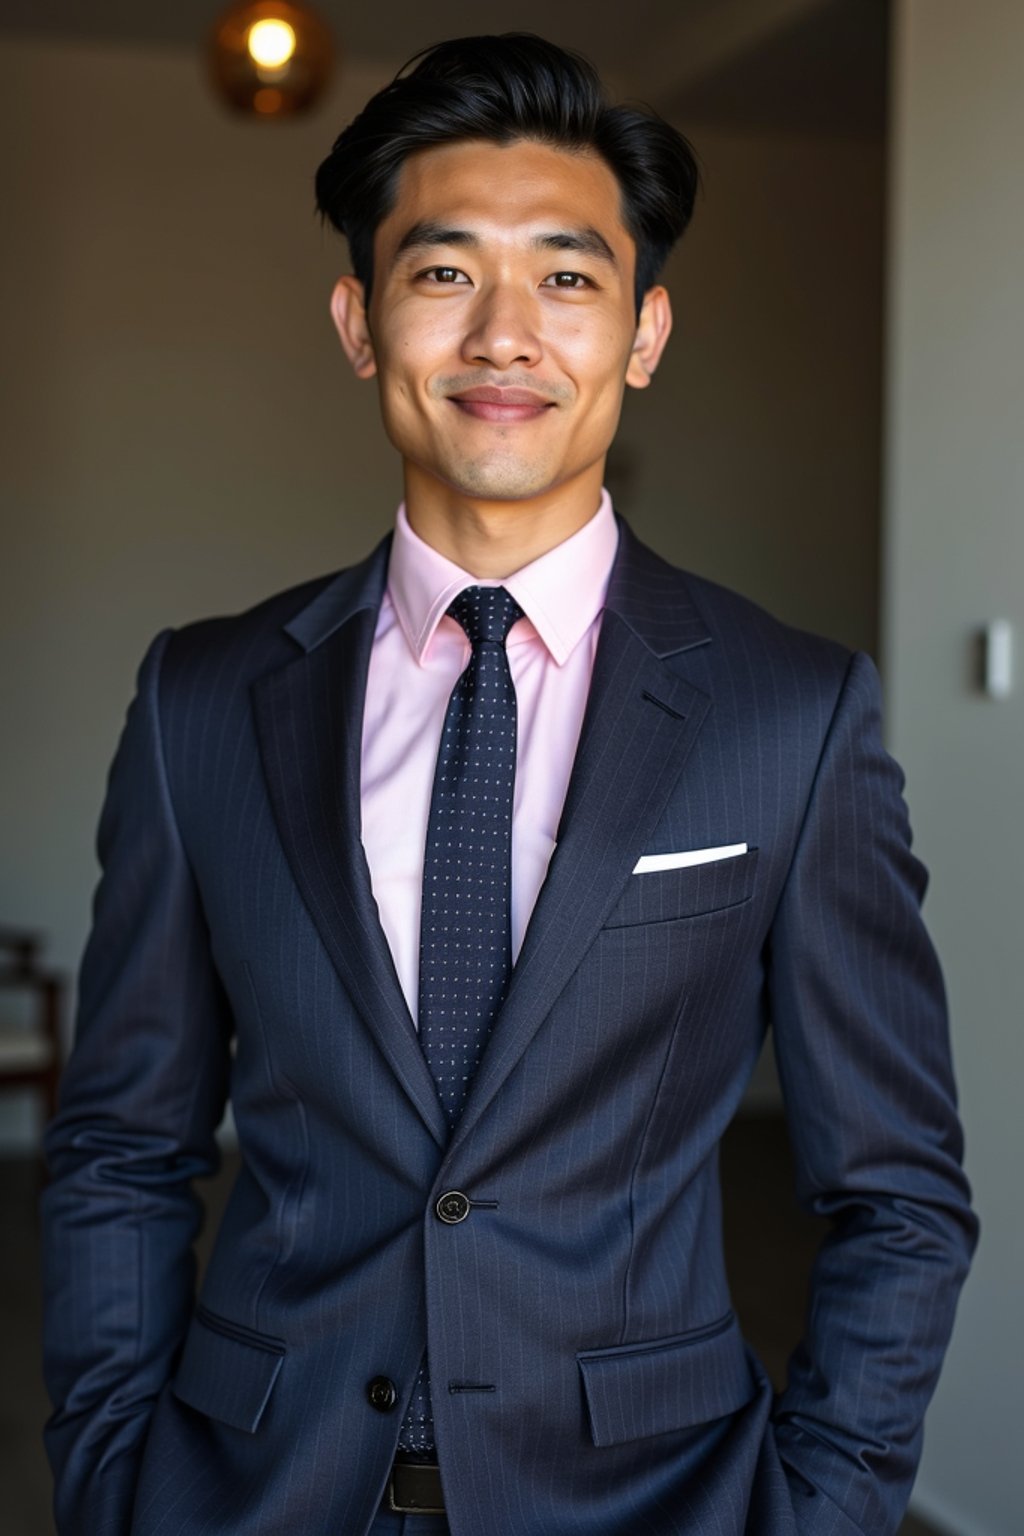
[30, 1050]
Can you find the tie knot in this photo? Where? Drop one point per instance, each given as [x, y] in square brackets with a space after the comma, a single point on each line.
[485, 613]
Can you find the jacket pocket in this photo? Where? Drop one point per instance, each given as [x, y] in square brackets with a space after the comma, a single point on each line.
[666, 895]
[227, 1371]
[633, 1390]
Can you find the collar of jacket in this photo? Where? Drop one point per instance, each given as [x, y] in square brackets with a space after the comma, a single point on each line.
[650, 596]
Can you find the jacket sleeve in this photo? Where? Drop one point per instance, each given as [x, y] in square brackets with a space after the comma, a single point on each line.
[861, 1041]
[141, 1097]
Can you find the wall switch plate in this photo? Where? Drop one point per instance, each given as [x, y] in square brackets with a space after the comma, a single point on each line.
[997, 658]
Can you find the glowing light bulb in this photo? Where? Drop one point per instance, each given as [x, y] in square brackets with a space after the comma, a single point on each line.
[271, 58]
[271, 43]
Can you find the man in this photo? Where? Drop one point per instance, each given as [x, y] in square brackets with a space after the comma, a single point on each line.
[494, 856]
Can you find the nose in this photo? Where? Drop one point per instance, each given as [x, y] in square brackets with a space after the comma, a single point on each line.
[502, 329]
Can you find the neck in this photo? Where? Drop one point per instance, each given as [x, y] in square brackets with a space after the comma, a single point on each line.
[492, 539]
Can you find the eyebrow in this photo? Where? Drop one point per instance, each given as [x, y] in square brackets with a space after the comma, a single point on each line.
[586, 240]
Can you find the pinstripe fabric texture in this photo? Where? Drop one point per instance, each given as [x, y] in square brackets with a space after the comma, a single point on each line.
[589, 1378]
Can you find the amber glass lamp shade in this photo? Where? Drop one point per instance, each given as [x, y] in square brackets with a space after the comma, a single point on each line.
[270, 57]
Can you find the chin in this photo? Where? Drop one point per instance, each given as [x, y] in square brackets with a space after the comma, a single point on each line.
[500, 482]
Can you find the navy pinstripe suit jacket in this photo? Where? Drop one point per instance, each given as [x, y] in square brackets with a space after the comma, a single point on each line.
[589, 1377]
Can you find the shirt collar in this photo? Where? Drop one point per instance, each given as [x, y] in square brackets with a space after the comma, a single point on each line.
[561, 593]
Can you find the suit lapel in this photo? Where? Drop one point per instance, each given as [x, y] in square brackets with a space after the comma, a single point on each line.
[309, 724]
[641, 723]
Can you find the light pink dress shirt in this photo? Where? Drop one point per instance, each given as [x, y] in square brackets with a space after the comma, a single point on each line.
[418, 655]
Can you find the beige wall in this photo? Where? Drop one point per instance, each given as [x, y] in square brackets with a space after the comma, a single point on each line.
[755, 452]
[180, 434]
[954, 560]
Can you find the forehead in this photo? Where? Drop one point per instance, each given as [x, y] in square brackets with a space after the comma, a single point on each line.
[506, 187]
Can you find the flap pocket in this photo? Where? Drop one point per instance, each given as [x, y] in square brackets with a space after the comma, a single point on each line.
[633, 1390]
[665, 895]
[227, 1371]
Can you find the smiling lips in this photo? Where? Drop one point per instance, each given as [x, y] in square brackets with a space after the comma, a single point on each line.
[490, 403]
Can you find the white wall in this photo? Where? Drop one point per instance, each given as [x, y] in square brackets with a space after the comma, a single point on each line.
[181, 436]
[954, 559]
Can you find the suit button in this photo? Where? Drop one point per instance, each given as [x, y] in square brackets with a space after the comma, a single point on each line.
[453, 1207]
[381, 1394]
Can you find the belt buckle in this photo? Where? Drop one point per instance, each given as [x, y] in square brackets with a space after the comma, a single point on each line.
[420, 1493]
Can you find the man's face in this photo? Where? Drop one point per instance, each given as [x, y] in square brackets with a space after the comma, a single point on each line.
[502, 325]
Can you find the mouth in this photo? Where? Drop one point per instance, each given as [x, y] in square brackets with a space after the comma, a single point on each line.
[490, 403]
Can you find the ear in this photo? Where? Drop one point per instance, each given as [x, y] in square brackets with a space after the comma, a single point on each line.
[348, 311]
[652, 332]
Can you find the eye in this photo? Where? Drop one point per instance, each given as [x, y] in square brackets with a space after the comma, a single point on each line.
[444, 275]
[567, 280]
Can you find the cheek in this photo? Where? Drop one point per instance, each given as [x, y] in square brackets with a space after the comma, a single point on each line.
[415, 362]
[601, 388]
[597, 358]
[399, 369]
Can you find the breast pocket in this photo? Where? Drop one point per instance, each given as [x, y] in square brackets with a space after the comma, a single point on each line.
[667, 895]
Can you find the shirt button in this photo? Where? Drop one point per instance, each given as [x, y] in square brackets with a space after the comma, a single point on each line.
[381, 1394]
[453, 1207]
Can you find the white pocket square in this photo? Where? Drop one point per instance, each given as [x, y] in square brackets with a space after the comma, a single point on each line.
[650, 862]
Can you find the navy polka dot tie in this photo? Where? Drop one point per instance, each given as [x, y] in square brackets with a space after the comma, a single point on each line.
[465, 927]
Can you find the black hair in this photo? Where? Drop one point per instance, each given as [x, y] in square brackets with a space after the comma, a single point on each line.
[504, 88]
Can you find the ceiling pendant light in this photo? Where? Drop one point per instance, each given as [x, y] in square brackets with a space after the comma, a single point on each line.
[270, 57]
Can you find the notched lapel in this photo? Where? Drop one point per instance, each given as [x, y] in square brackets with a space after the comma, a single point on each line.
[309, 724]
[641, 723]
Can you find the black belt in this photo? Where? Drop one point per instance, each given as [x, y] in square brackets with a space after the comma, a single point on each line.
[414, 1488]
